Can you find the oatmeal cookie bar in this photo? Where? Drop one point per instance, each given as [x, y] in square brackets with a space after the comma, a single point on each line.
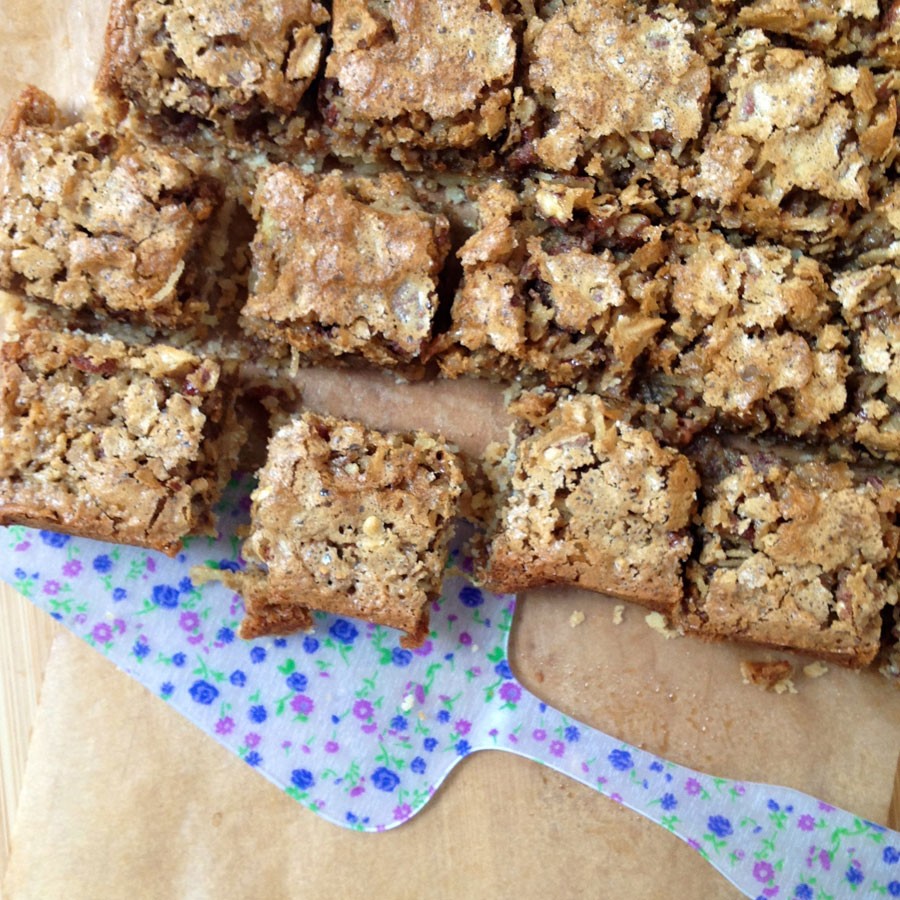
[615, 88]
[349, 521]
[556, 286]
[870, 304]
[344, 268]
[225, 63]
[794, 552]
[588, 501]
[91, 220]
[128, 444]
[752, 338]
[797, 146]
[414, 77]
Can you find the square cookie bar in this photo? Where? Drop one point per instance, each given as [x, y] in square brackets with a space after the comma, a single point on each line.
[794, 552]
[557, 286]
[222, 62]
[344, 268]
[100, 222]
[349, 521]
[406, 76]
[128, 444]
[751, 339]
[588, 501]
[870, 305]
[797, 146]
[615, 88]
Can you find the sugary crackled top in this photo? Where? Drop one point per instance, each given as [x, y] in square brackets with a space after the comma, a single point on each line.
[807, 124]
[814, 542]
[93, 407]
[86, 217]
[870, 302]
[206, 57]
[391, 57]
[618, 74]
[596, 502]
[345, 511]
[336, 251]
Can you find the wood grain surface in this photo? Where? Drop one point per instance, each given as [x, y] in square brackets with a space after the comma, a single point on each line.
[26, 634]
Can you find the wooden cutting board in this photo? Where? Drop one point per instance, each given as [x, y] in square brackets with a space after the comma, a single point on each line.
[122, 797]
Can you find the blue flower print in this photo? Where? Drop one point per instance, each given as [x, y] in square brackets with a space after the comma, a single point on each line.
[224, 635]
[119, 594]
[719, 826]
[621, 760]
[258, 655]
[165, 596]
[54, 538]
[203, 692]
[238, 678]
[343, 631]
[384, 779]
[803, 892]
[253, 758]
[140, 649]
[302, 779]
[668, 802]
[401, 657]
[297, 681]
[443, 715]
[470, 596]
[891, 855]
[503, 670]
[102, 564]
[463, 748]
[418, 765]
[430, 743]
[258, 714]
[310, 644]
[399, 723]
[178, 660]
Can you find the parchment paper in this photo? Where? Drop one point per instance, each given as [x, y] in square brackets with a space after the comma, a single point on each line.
[122, 797]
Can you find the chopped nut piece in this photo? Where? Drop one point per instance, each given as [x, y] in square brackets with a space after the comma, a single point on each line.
[773, 676]
[576, 618]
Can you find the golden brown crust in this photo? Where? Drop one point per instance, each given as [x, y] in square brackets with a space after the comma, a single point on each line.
[117, 443]
[344, 267]
[99, 221]
[212, 60]
[590, 502]
[794, 553]
[352, 522]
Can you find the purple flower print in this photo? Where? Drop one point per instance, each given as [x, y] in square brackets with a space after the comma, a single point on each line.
[150, 563]
[463, 726]
[189, 620]
[425, 649]
[763, 871]
[102, 633]
[402, 812]
[510, 692]
[252, 739]
[557, 748]
[806, 822]
[362, 709]
[692, 787]
[72, 568]
[225, 725]
[332, 746]
[51, 588]
[825, 859]
[465, 639]
[302, 705]
[539, 734]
